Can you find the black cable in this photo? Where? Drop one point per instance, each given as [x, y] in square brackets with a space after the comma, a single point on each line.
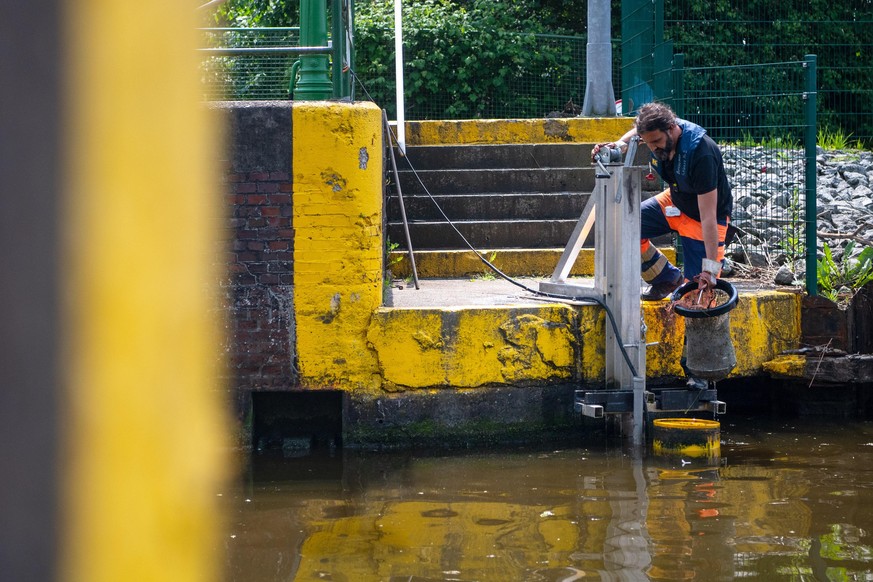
[503, 275]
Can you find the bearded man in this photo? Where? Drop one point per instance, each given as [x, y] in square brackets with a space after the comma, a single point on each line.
[697, 203]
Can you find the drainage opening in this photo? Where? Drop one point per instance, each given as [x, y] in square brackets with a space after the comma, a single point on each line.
[297, 422]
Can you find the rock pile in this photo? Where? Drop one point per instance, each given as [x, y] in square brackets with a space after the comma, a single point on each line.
[769, 207]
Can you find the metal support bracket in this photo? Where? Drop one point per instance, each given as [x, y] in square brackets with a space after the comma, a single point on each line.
[686, 400]
[608, 401]
[615, 201]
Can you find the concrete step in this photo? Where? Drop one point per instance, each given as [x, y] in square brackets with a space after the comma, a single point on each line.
[521, 195]
[495, 207]
[533, 234]
[513, 262]
[496, 156]
[498, 180]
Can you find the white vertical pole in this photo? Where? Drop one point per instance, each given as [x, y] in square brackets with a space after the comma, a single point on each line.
[398, 73]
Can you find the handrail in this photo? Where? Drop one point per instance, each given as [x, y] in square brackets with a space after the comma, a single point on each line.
[247, 29]
[292, 50]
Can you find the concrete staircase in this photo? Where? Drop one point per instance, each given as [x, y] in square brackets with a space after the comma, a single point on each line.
[500, 196]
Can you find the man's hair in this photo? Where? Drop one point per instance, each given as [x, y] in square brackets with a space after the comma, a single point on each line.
[654, 116]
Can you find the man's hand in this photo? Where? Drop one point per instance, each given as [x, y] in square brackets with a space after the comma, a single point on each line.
[705, 281]
[621, 145]
[708, 275]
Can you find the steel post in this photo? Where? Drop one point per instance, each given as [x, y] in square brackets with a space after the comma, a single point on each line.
[809, 96]
[313, 82]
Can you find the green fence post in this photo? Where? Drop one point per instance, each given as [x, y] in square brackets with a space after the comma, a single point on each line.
[810, 202]
[314, 81]
[348, 43]
[344, 56]
[679, 84]
[339, 44]
[637, 47]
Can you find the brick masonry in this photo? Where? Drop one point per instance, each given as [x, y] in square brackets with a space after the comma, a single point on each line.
[259, 271]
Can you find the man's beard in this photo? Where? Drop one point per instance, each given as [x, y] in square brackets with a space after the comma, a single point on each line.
[663, 154]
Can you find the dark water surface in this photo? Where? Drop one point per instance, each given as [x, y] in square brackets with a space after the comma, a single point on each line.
[788, 500]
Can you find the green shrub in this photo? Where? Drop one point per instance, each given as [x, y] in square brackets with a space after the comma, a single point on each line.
[462, 61]
[839, 281]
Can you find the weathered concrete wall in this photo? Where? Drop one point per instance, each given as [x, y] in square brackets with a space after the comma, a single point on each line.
[485, 131]
[472, 347]
[338, 249]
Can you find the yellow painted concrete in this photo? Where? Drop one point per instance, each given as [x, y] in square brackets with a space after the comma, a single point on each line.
[470, 347]
[347, 341]
[144, 424]
[474, 346]
[514, 262]
[338, 246]
[764, 324]
[665, 331]
[788, 366]
[494, 131]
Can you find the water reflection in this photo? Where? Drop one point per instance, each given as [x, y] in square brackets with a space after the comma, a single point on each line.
[787, 502]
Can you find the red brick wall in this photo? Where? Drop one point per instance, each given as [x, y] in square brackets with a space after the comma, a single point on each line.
[259, 279]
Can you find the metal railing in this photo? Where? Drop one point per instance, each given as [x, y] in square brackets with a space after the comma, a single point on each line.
[738, 34]
[263, 63]
[248, 63]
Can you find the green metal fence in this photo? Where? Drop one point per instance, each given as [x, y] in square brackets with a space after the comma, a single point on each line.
[542, 83]
[552, 72]
[248, 63]
[552, 76]
[550, 81]
[270, 63]
[844, 48]
[763, 117]
[749, 32]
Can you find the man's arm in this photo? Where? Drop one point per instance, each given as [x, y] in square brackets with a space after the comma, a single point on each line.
[620, 143]
[707, 204]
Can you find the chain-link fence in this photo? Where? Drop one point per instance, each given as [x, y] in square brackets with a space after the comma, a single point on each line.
[549, 73]
[543, 76]
[249, 63]
[843, 45]
[548, 81]
[763, 117]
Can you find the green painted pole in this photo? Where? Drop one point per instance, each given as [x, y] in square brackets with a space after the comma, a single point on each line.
[338, 47]
[313, 81]
[810, 202]
[350, 51]
[679, 84]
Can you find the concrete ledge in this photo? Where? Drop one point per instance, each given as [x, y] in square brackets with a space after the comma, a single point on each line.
[473, 373]
[462, 334]
[492, 131]
[514, 262]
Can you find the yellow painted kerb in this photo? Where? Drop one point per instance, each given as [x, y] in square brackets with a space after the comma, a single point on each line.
[509, 131]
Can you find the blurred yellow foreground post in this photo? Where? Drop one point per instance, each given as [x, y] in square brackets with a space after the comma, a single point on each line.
[110, 415]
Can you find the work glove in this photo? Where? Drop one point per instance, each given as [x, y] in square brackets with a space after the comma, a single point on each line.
[708, 276]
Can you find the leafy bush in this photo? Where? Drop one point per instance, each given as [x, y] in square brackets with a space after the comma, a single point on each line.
[253, 13]
[472, 60]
